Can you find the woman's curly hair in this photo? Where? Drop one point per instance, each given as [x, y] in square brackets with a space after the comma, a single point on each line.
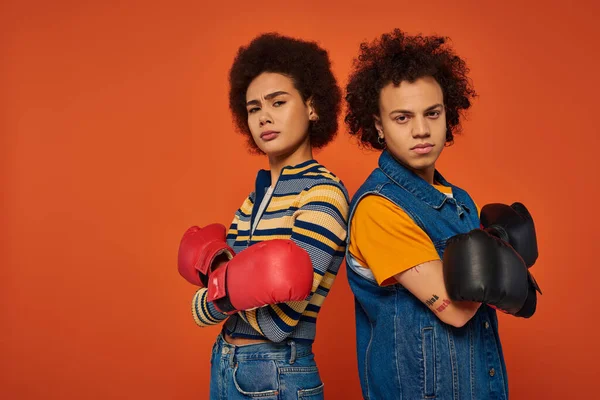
[305, 63]
[397, 57]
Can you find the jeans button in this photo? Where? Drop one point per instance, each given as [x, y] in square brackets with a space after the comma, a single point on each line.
[225, 350]
[487, 324]
[492, 372]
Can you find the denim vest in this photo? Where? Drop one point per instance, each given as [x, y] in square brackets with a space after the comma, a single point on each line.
[404, 350]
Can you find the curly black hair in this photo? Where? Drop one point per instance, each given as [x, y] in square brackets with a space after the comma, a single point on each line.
[305, 63]
[397, 57]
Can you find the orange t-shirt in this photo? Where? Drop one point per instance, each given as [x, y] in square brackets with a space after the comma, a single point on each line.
[386, 240]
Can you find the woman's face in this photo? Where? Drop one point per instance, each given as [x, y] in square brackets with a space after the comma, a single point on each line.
[278, 118]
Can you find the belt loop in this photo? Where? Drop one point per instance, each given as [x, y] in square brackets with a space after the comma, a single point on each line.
[292, 345]
[231, 356]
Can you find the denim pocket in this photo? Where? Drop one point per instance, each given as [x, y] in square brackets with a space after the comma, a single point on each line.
[311, 394]
[428, 349]
[256, 378]
[301, 382]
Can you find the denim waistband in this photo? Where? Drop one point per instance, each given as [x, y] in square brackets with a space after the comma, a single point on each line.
[288, 350]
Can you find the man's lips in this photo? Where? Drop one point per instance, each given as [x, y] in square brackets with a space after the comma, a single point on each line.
[422, 148]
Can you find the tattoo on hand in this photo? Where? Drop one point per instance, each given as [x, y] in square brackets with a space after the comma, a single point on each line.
[432, 300]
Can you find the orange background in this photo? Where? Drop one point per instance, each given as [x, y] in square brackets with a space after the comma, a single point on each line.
[116, 136]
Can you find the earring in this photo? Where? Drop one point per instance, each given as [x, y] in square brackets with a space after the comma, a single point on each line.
[380, 139]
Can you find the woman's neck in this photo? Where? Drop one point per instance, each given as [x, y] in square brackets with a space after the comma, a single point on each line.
[277, 163]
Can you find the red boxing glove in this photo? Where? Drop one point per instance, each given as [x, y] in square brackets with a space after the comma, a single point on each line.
[270, 272]
[198, 250]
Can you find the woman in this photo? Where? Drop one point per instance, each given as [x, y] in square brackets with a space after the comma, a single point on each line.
[285, 100]
[418, 264]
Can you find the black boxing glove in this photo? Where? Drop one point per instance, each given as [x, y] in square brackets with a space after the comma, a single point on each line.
[482, 268]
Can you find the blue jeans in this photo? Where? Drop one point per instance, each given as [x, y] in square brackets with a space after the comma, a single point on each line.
[267, 371]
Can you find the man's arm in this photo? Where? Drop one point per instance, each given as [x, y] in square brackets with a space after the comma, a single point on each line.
[426, 282]
[388, 241]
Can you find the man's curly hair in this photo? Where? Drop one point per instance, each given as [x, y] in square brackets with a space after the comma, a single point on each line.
[305, 63]
[397, 57]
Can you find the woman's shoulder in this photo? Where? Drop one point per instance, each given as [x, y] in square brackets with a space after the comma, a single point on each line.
[322, 176]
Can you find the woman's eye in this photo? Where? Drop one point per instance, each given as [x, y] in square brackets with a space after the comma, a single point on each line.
[253, 110]
[278, 103]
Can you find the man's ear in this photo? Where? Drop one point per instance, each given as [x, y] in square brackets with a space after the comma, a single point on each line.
[378, 125]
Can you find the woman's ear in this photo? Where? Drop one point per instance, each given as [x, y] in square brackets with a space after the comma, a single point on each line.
[312, 112]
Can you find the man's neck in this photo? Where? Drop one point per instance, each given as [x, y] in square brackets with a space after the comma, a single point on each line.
[427, 174]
